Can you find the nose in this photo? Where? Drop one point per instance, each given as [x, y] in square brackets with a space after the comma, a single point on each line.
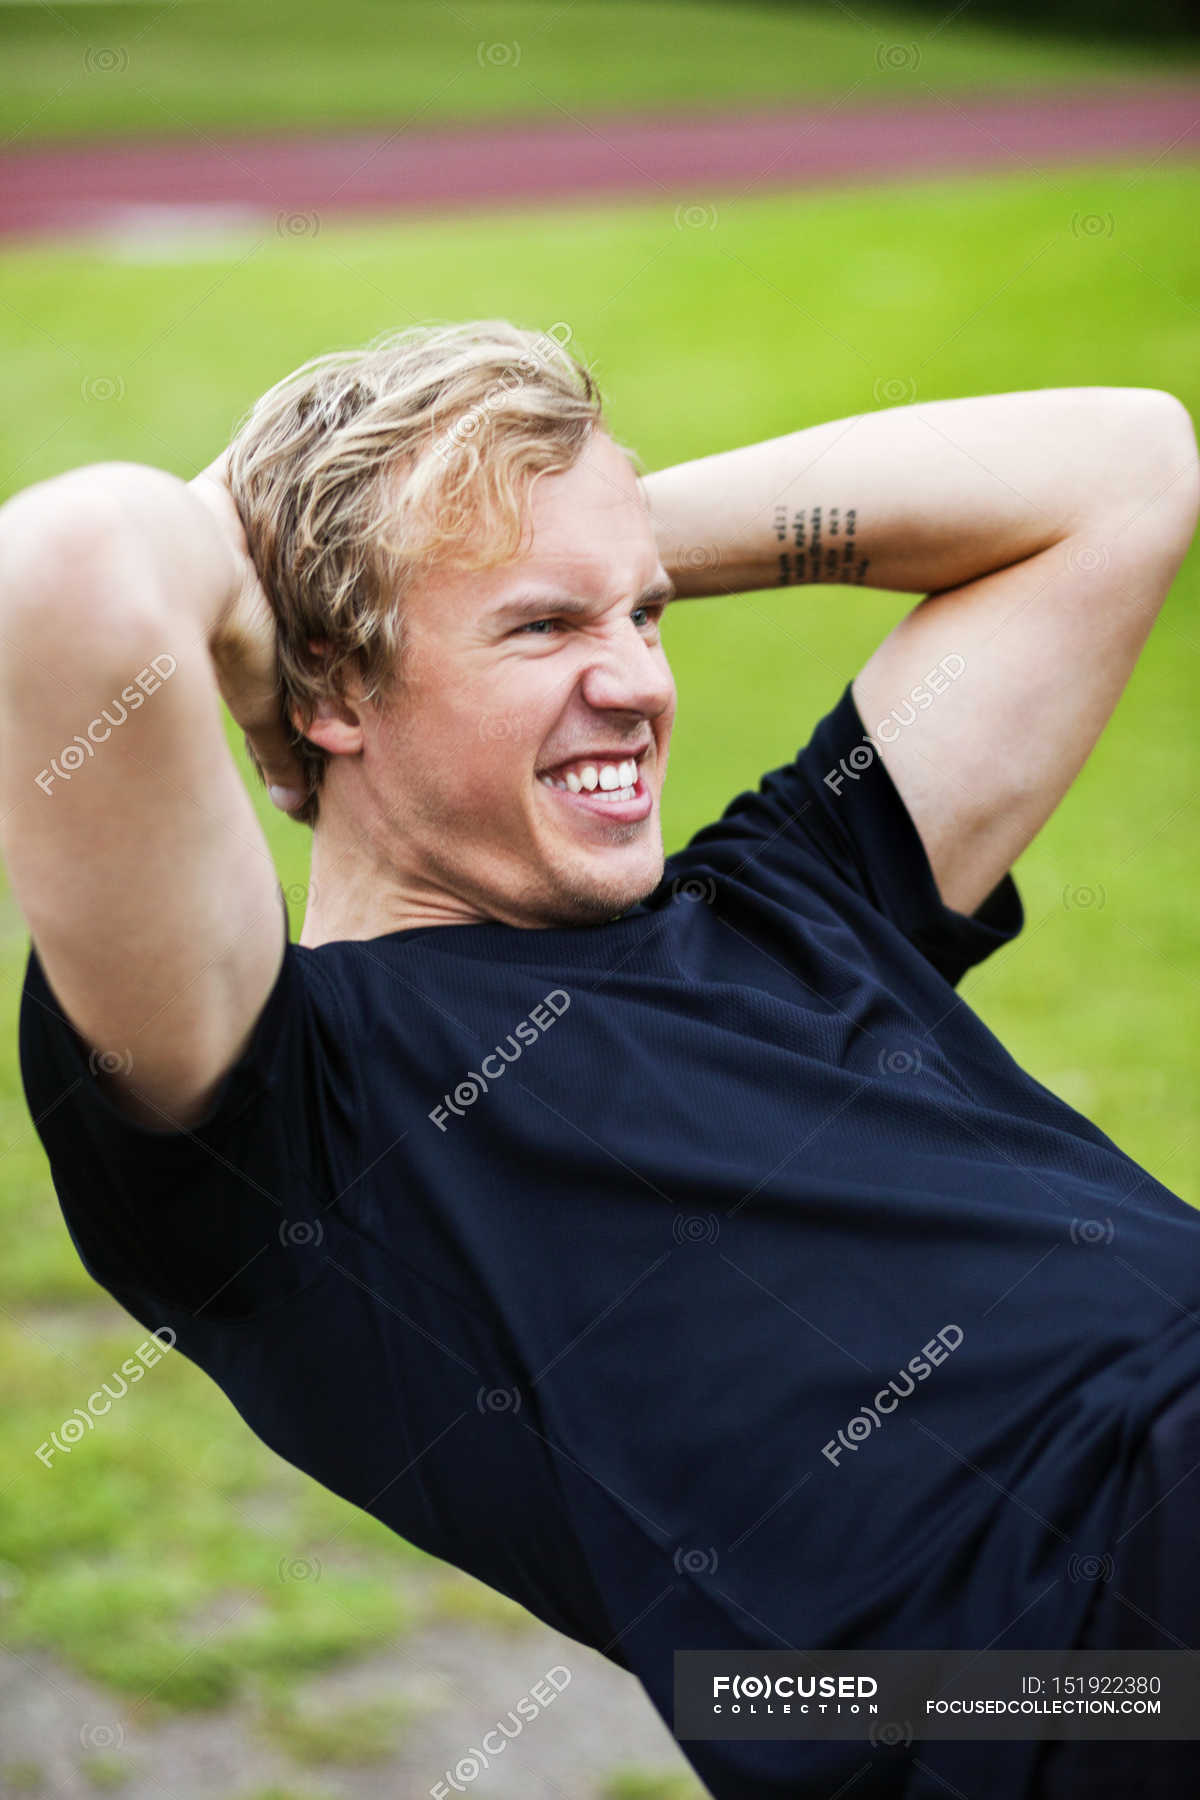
[629, 673]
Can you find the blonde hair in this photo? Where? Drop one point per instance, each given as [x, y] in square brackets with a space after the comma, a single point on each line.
[358, 471]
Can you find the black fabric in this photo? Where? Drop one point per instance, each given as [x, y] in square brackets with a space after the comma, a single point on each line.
[1147, 1597]
[712, 1278]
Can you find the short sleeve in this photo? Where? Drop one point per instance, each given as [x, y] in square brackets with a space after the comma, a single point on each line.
[836, 808]
[231, 1214]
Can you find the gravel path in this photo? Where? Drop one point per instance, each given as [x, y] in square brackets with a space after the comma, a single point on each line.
[60, 1735]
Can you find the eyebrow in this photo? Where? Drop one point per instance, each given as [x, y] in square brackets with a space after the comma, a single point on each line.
[522, 607]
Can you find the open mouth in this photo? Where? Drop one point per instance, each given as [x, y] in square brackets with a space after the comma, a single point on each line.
[610, 785]
[595, 775]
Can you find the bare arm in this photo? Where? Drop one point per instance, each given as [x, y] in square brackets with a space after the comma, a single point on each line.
[1045, 529]
[129, 838]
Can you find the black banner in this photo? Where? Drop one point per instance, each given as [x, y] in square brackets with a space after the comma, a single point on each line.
[901, 1696]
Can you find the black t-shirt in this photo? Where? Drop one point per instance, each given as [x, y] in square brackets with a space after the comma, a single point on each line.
[712, 1278]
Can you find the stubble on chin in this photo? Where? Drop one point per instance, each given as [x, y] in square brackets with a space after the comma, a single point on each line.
[600, 902]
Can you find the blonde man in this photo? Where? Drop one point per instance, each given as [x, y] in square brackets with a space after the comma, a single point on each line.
[661, 1240]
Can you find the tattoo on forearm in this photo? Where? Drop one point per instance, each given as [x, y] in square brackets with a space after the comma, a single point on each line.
[824, 548]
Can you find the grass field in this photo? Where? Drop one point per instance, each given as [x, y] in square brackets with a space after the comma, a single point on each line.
[772, 313]
[201, 64]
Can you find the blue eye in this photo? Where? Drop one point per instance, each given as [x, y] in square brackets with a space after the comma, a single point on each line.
[641, 617]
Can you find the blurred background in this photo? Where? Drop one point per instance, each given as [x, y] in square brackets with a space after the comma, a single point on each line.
[193, 199]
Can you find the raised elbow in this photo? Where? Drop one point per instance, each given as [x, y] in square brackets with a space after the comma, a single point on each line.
[69, 568]
[1169, 464]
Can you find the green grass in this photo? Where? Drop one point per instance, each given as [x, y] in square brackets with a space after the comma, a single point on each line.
[462, 1600]
[149, 1559]
[275, 1792]
[173, 70]
[23, 1778]
[107, 1773]
[142, 1562]
[636, 1783]
[350, 1736]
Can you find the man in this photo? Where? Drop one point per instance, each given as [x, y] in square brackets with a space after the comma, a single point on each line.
[666, 1244]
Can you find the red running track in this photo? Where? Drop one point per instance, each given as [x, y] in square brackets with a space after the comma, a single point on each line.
[685, 158]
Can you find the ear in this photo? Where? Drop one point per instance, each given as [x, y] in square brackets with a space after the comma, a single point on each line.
[334, 726]
[335, 723]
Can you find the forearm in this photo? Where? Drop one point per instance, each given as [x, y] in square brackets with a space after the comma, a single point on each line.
[128, 835]
[914, 499]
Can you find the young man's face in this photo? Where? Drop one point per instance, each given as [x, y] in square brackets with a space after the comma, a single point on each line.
[522, 756]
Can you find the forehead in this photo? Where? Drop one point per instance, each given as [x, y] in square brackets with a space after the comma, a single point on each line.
[589, 535]
[595, 508]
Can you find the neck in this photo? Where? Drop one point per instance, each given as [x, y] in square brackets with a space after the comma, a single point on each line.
[357, 890]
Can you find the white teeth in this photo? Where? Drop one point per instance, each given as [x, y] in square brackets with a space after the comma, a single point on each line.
[615, 780]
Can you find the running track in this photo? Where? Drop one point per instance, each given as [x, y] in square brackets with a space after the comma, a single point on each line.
[684, 158]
